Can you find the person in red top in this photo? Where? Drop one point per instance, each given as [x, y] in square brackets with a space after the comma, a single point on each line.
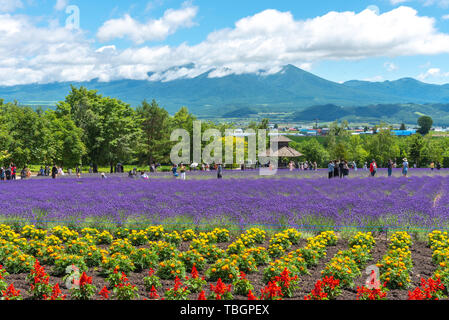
[13, 171]
[373, 168]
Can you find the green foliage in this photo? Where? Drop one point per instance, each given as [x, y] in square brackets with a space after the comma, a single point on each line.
[154, 142]
[425, 123]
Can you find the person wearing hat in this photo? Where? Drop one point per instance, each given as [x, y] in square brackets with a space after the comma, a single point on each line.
[405, 167]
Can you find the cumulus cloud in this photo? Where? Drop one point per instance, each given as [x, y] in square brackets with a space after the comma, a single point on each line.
[151, 30]
[434, 74]
[10, 5]
[261, 44]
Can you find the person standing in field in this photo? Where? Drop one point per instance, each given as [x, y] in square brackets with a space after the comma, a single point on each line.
[336, 173]
[432, 166]
[390, 167]
[61, 172]
[438, 166]
[354, 165]
[345, 169]
[183, 171]
[2, 174]
[405, 166]
[23, 173]
[330, 169]
[365, 166]
[373, 168]
[54, 171]
[8, 173]
[290, 165]
[341, 168]
[220, 171]
[13, 171]
[174, 169]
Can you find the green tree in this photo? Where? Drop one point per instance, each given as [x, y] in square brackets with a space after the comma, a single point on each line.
[65, 145]
[382, 147]
[416, 145]
[356, 150]
[425, 124]
[312, 151]
[110, 128]
[155, 124]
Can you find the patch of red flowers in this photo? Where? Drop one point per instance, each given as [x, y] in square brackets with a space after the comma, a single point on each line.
[272, 292]
[153, 294]
[10, 293]
[124, 282]
[104, 293]
[251, 296]
[85, 279]
[364, 293]
[56, 294]
[285, 281]
[325, 289]
[202, 296]
[430, 289]
[38, 275]
[220, 289]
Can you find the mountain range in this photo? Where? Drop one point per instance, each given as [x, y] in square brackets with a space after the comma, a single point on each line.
[290, 90]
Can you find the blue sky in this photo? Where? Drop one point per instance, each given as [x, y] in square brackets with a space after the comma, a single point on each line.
[338, 40]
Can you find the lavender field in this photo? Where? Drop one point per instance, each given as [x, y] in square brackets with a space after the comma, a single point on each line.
[420, 201]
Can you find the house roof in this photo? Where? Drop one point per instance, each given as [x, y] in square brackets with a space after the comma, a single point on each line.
[280, 139]
[285, 152]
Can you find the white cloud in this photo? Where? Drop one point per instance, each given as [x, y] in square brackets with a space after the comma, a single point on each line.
[46, 54]
[10, 5]
[433, 74]
[445, 17]
[151, 30]
[390, 66]
[61, 4]
[306, 66]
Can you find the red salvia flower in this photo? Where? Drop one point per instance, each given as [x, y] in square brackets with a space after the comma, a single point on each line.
[104, 293]
[202, 296]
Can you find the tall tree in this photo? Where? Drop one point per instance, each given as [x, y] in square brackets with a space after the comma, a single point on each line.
[416, 145]
[155, 125]
[110, 129]
[425, 124]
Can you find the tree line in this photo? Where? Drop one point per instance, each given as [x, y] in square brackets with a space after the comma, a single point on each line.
[90, 129]
[340, 144]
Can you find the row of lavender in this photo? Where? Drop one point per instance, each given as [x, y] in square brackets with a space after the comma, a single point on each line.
[418, 201]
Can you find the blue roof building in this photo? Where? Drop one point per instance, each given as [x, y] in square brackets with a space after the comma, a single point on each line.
[403, 132]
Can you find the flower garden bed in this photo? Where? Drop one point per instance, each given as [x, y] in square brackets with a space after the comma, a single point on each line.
[287, 265]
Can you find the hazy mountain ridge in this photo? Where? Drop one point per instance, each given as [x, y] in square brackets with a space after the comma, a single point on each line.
[292, 90]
